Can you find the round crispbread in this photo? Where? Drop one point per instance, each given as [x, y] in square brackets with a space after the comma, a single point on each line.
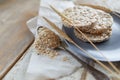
[88, 20]
[94, 37]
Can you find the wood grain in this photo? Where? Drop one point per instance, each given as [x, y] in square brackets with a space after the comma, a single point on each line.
[15, 37]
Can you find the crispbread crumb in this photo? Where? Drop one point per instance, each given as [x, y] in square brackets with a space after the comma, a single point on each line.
[46, 42]
[48, 38]
[65, 58]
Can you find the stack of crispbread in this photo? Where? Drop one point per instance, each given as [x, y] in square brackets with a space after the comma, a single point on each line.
[95, 24]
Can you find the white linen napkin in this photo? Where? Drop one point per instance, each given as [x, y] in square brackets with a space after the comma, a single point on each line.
[74, 76]
[42, 67]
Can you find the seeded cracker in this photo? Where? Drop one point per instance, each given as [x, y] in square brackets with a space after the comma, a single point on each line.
[94, 38]
[88, 19]
[94, 23]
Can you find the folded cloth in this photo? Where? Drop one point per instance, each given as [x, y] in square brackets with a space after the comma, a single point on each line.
[43, 67]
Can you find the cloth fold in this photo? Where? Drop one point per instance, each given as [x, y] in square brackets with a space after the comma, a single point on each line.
[42, 67]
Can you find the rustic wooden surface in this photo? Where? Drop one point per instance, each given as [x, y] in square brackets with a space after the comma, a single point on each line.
[14, 14]
[15, 37]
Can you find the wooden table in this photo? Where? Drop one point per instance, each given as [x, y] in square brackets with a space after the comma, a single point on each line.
[15, 37]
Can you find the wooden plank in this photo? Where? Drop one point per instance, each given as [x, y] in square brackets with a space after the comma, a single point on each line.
[15, 37]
